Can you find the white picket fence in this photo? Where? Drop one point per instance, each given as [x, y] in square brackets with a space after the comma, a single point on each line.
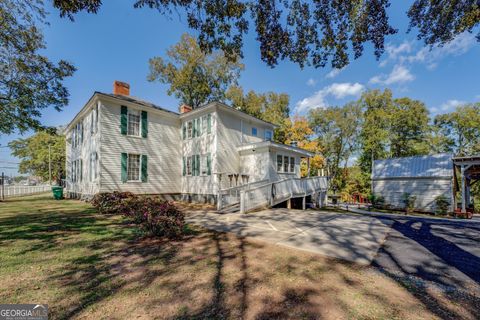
[17, 191]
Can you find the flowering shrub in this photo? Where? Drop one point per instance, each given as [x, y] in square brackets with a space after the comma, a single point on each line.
[110, 202]
[154, 215]
[162, 218]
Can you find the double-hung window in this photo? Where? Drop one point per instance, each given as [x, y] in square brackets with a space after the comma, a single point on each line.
[189, 166]
[292, 164]
[133, 167]
[268, 135]
[204, 124]
[190, 129]
[285, 164]
[279, 163]
[133, 123]
[254, 131]
[93, 166]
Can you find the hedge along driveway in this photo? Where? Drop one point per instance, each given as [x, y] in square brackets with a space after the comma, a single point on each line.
[86, 265]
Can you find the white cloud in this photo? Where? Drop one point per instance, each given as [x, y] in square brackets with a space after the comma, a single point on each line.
[337, 90]
[311, 82]
[399, 74]
[394, 52]
[431, 57]
[334, 72]
[451, 104]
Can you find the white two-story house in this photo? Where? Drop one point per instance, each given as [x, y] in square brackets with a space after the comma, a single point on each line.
[121, 143]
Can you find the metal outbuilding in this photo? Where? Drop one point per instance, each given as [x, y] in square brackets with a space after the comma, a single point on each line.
[425, 177]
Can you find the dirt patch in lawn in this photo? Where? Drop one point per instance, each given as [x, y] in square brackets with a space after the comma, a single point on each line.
[96, 267]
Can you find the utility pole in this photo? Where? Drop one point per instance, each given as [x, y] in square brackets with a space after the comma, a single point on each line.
[49, 165]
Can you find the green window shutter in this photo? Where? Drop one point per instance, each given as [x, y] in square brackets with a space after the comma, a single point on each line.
[144, 168]
[81, 170]
[144, 124]
[123, 120]
[184, 134]
[209, 123]
[184, 166]
[199, 127]
[198, 164]
[124, 166]
[194, 161]
[209, 164]
[194, 134]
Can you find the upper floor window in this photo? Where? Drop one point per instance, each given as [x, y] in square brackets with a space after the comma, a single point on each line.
[292, 164]
[189, 129]
[268, 135]
[133, 123]
[254, 131]
[94, 120]
[197, 127]
[77, 134]
[279, 163]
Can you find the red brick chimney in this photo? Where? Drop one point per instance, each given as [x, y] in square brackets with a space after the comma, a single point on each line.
[184, 108]
[122, 88]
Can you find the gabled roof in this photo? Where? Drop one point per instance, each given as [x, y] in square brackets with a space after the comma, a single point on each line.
[144, 103]
[437, 165]
[135, 100]
[227, 108]
[275, 145]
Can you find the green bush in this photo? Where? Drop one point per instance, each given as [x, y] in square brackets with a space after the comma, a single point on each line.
[377, 201]
[441, 205]
[408, 201]
[110, 202]
[156, 216]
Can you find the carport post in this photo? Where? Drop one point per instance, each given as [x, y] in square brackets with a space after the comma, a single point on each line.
[462, 177]
[304, 203]
[242, 201]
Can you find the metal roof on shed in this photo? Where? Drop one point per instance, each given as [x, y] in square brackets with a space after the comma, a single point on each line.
[437, 165]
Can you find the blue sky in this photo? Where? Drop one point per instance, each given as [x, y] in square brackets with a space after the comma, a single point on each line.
[116, 43]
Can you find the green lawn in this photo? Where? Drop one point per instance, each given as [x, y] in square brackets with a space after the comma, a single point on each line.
[86, 265]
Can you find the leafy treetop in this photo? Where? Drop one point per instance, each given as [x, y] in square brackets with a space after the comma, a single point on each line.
[305, 32]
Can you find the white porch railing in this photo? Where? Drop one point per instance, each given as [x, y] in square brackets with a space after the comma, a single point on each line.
[17, 191]
[231, 196]
[272, 193]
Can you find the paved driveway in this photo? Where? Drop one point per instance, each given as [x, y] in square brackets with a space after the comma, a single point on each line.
[447, 252]
[350, 237]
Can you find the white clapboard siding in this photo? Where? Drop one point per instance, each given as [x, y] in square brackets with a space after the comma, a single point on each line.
[425, 190]
[202, 145]
[90, 144]
[161, 146]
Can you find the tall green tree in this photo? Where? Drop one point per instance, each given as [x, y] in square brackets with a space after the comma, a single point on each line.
[29, 81]
[392, 127]
[461, 129]
[409, 128]
[270, 106]
[305, 32]
[338, 129]
[194, 77]
[33, 153]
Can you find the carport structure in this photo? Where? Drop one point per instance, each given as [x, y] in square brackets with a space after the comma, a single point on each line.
[469, 168]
